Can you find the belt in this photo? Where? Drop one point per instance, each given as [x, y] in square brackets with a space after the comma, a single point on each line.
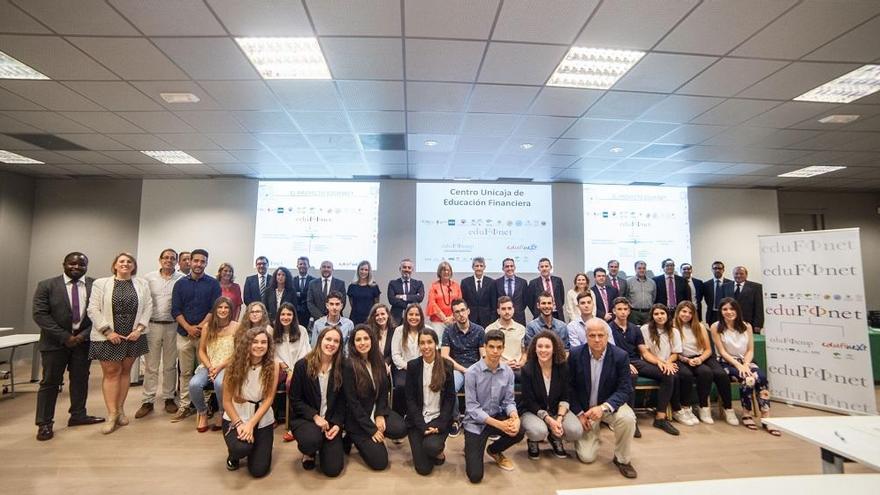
[162, 322]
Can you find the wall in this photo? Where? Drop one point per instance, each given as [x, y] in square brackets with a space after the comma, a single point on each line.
[16, 217]
[98, 217]
[844, 210]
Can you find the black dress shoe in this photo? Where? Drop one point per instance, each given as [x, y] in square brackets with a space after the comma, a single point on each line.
[85, 420]
[232, 464]
[627, 470]
[666, 426]
[44, 432]
[638, 433]
[440, 460]
[308, 463]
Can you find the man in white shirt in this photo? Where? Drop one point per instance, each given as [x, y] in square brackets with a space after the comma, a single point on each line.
[577, 328]
[514, 354]
[184, 262]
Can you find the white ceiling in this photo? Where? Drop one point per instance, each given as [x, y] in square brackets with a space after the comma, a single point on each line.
[710, 104]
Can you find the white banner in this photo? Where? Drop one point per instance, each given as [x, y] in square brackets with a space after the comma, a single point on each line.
[816, 324]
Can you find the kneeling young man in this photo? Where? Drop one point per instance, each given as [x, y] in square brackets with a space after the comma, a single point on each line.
[489, 409]
[600, 386]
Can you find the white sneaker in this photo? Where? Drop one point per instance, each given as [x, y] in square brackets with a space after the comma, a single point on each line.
[706, 415]
[691, 417]
[730, 417]
[681, 417]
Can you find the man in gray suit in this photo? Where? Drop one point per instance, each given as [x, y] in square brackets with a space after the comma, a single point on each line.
[60, 311]
[320, 288]
[615, 279]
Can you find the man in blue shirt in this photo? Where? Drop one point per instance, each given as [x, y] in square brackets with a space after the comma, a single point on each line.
[489, 410]
[462, 344]
[333, 318]
[546, 321]
[191, 301]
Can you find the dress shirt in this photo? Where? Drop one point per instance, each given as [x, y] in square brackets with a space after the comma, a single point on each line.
[83, 298]
[487, 394]
[640, 292]
[537, 325]
[160, 289]
[464, 347]
[431, 399]
[345, 326]
[193, 298]
[595, 375]
[577, 332]
[693, 290]
[513, 338]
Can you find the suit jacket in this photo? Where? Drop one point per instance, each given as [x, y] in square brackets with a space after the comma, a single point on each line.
[536, 287]
[101, 306]
[301, 299]
[534, 396]
[751, 299]
[270, 299]
[315, 296]
[305, 398]
[52, 313]
[358, 407]
[681, 289]
[710, 297]
[621, 284]
[251, 290]
[697, 295]
[519, 296]
[483, 303]
[395, 288]
[601, 310]
[415, 397]
[615, 383]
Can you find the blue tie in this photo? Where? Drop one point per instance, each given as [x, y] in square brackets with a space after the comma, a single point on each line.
[510, 287]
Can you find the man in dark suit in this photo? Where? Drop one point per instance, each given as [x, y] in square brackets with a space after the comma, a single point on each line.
[750, 296]
[603, 295]
[615, 279]
[404, 291]
[60, 311]
[545, 282]
[255, 285]
[716, 289]
[514, 287]
[669, 280]
[301, 287]
[607, 402]
[694, 287]
[478, 291]
[319, 288]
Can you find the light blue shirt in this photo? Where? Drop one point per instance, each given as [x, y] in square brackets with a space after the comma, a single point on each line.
[344, 324]
[577, 332]
[537, 325]
[487, 394]
[595, 375]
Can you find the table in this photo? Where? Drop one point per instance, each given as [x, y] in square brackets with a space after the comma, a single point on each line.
[13, 342]
[817, 484]
[840, 438]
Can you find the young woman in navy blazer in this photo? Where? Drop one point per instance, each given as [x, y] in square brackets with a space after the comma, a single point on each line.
[429, 426]
[368, 418]
[317, 404]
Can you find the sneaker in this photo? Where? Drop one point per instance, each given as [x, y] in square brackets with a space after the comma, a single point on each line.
[680, 416]
[502, 461]
[170, 406]
[494, 438]
[558, 448]
[181, 414]
[534, 451]
[690, 416]
[146, 408]
[455, 429]
[638, 433]
[232, 464]
[666, 426]
[706, 415]
[730, 417]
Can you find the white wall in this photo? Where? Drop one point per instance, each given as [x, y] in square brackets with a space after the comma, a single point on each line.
[16, 218]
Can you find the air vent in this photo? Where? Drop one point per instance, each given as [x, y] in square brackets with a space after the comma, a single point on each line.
[371, 177]
[383, 142]
[48, 142]
[514, 179]
[638, 183]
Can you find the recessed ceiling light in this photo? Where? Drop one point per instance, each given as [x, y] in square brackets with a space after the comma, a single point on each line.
[616, 149]
[172, 157]
[812, 171]
[838, 119]
[286, 58]
[179, 97]
[849, 87]
[430, 142]
[10, 157]
[526, 146]
[597, 68]
[11, 68]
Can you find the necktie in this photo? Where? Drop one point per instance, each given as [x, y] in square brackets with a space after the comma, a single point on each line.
[614, 283]
[737, 291]
[326, 288]
[406, 286]
[302, 283]
[262, 285]
[604, 297]
[670, 292]
[715, 294]
[479, 285]
[510, 287]
[74, 301]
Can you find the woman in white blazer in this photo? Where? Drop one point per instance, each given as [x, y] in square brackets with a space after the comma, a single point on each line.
[120, 307]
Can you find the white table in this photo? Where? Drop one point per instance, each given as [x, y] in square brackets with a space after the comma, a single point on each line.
[840, 438]
[13, 342]
[817, 484]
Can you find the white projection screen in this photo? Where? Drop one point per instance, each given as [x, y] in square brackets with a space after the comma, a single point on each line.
[630, 223]
[458, 221]
[336, 221]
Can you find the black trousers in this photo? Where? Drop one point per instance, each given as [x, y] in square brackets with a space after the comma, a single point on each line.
[311, 442]
[398, 398]
[259, 453]
[425, 449]
[705, 374]
[669, 393]
[76, 361]
[475, 447]
[375, 455]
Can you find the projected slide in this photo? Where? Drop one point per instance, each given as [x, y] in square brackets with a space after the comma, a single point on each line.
[333, 221]
[630, 223]
[456, 222]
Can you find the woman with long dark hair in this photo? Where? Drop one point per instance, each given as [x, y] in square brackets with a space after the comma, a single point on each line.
[660, 354]
[379, 320]
[280, 290]
[291, 345]
[405, 347]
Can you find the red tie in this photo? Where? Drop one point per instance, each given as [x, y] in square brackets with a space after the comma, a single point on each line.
[614, 283]
[549, 288]
[670, 292]
[604, 297]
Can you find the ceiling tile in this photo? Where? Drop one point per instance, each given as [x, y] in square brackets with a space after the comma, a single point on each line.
[93, 17]
[739, 136]
[439, 97]
[676, 108]
[54, 57]
[450, 19]
[559, 21]
[130, 58]
[733, 112]
[241, 95]
[281, 140]
[373, 95]
[189, 142]
[213, 156]
[50, 94]
[568, 102]
[114, 95]
[133, 157]
[620, 105]
[156, 121]
[790, 113]
[595, 128]
[484, 144]
[385, 157]
[13, 20]
[96, 142]
[361, 18]
[662, 72]
[208, 58]
[434, 122]
[103, 122]
[140, 142]
[170, 17]
[691, 134]
[263, 17]
[356, 58]
[8, 124]
[265, 121]
[10, 101]
[730, 76]
[233, 168]
[48, 121]
[517, 63]
[542, 126]
[796, 79]
[235, 141]
[153, 89]
[318, 122]
[306, 95]
[501, 99]
[211, 121]
[643, 131]
[377, 122]
[578, 147]
[859, 45]
[443, 143]
[489, 124]
[614, 25]
[441, 60]
[785, 138]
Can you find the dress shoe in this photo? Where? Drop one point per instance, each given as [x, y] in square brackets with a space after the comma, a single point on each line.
[181, 414]
[146, 408]
[288, 436]
[665, 425]
[308, 463]
[638, 433]
[627, 470]
[201, 429]
[232, 464]
[44, 432]
[440, 459]
[170, 406]
[85, 420]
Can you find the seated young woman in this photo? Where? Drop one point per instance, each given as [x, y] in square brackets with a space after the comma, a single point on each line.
[368, 418]
[660, 362]
[216, 346]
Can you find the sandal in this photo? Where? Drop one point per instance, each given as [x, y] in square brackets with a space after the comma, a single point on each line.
[773, 431]
[749, 423]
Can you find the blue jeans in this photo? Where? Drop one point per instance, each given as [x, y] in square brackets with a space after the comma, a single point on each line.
[458, 378]
[197, 387]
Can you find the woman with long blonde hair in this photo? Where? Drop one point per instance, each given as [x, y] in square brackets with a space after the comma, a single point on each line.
[256, 316]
